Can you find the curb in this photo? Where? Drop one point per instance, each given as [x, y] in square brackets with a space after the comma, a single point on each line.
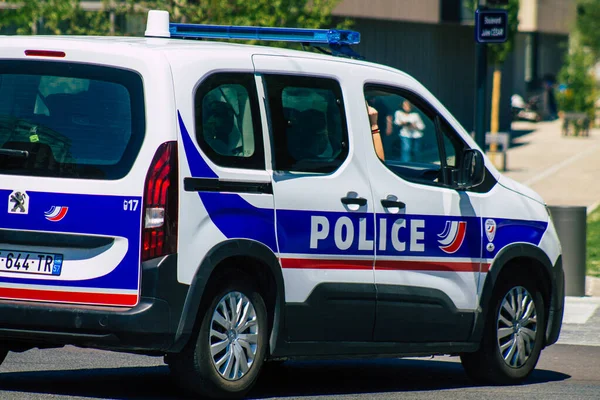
[579, 310]
[583, 299]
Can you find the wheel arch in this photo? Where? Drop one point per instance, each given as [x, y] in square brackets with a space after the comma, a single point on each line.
[536, 262]
[217, 260]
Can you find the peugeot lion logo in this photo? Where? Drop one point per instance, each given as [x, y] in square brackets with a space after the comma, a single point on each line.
[453, 236]
[18, 202]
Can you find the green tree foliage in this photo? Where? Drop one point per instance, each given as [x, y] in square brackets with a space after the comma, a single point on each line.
[25, 15]
[282, 13]
[53, 17]
[588, 24]
[67, 16]
[576, 74]
[580, 92]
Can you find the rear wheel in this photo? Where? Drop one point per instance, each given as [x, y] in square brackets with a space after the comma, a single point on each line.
[513, 335]
[223, 359]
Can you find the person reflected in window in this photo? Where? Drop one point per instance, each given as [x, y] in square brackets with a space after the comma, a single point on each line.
[218, 128]
[411, 131]
[375, 132]
[308, 138]
[385, 118]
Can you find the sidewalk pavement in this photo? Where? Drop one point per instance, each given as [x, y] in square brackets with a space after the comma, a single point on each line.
[581, 321]
[564, 171]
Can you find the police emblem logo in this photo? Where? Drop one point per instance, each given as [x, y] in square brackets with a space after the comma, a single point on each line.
[490, 229]
[18, 202]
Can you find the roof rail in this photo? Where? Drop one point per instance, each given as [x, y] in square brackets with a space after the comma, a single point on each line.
[338, 40]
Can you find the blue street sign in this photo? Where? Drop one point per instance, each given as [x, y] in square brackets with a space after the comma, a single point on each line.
[491, 26]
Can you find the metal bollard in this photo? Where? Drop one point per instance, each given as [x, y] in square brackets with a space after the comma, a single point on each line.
[571, 227]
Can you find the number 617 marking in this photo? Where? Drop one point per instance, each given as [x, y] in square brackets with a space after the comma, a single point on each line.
[130, 205]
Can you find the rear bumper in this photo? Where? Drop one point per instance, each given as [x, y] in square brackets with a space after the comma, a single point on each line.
[148, 327]
[557, 303]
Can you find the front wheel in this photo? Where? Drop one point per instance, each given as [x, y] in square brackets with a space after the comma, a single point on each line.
[224, 357]
[513, 335]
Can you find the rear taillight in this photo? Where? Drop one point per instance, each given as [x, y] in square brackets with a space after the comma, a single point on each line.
[159, 217]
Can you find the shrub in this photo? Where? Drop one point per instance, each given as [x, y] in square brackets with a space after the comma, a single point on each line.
[578, 87]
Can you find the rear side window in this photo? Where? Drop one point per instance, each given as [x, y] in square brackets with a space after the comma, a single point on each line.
[309, 124]
[227, 117]
[69, 120]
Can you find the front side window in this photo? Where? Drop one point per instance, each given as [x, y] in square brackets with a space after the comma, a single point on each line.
[72, 120]
[309, 125]
[418, 144]
[227, 121]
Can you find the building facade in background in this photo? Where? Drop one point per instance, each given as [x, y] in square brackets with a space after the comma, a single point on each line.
[433, 41]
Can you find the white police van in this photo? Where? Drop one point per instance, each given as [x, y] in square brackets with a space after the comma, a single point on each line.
[228, 205]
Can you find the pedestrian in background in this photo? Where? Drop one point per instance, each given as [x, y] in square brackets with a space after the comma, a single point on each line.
[411, 131]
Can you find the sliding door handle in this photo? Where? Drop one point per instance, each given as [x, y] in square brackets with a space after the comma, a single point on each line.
[361, 201]
[392, 203]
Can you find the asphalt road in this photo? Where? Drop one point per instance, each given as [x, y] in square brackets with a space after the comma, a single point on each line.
[564, 372]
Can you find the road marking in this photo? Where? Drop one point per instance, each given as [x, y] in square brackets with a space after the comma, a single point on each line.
[560, 165]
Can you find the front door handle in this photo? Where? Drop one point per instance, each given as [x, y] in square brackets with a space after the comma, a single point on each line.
[361, 201]
[392, 203]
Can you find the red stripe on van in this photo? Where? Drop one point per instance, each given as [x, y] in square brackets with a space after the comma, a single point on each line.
[384, 265]
[106, 299]
[307, 263]
[437, 266]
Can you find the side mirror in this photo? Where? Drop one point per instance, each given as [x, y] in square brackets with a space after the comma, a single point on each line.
[472, 171]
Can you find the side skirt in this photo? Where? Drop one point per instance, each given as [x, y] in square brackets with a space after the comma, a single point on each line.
[348, 350]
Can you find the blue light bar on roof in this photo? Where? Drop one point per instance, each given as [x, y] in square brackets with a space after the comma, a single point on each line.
[323, 36]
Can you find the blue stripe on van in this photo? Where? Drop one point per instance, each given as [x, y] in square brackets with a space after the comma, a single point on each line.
[87, 215]
[236, 218]
[231, 214]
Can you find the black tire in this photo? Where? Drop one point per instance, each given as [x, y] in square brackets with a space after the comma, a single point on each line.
[194, 369]
[487, 365]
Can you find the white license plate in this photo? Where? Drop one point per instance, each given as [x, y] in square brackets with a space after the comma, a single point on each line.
[26, 262]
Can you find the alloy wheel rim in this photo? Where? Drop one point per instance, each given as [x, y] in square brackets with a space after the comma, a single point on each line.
[517, 327]
[233, 337]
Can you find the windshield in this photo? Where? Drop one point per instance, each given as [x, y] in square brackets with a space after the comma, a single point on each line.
[69, 120]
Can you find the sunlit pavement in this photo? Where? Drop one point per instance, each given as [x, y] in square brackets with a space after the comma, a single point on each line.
[562, 169]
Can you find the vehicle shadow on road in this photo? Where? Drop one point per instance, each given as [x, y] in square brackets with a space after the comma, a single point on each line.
[152, 383]
[288, 379]
[371, 376]
[518, 133]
